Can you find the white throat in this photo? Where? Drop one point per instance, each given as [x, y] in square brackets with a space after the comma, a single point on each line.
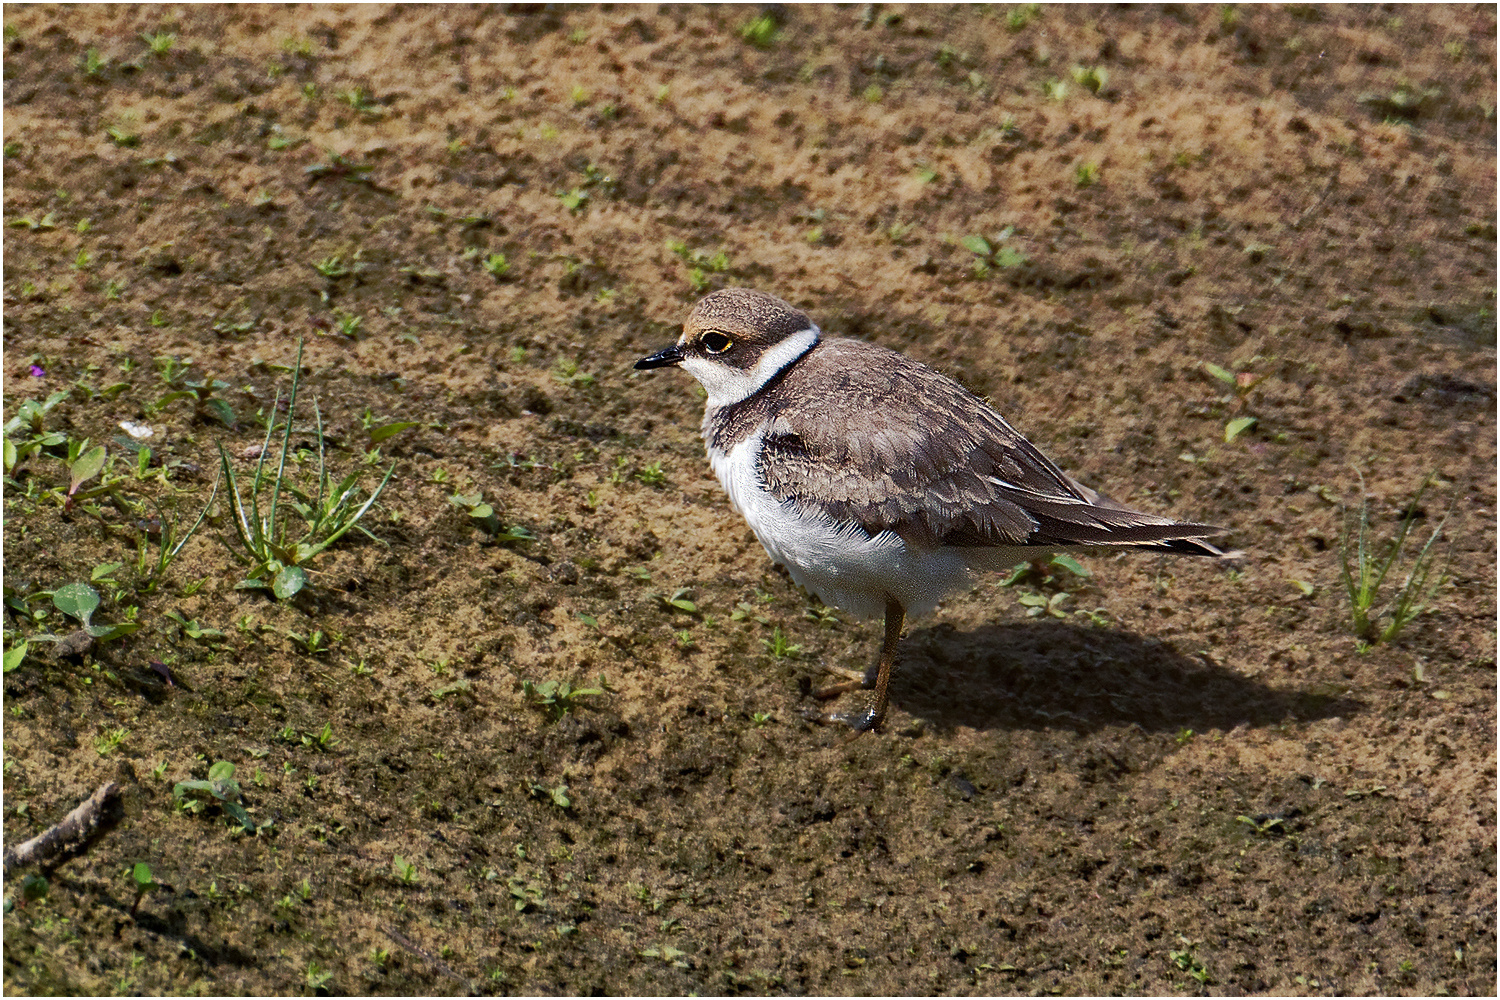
[726, 385]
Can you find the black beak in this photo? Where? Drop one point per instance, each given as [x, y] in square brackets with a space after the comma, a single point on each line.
[664, 358]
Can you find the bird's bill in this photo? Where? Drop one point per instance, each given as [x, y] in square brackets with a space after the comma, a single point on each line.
[664, 358]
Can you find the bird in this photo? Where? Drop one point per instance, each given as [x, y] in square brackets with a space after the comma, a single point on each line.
[882, 485]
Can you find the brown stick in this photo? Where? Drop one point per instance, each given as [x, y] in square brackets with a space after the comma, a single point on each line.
[76, 825]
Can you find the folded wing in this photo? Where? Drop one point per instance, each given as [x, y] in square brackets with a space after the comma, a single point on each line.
[899, 447]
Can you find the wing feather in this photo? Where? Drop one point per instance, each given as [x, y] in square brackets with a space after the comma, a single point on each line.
[879, 438]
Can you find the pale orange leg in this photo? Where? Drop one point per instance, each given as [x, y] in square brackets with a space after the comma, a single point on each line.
[872, 717]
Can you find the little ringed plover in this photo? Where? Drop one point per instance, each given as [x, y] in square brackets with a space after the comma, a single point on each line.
[879, 483]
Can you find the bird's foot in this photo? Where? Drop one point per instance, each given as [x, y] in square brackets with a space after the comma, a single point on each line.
[866, 721]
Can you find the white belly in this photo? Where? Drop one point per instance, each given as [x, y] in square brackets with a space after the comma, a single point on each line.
[842, 565]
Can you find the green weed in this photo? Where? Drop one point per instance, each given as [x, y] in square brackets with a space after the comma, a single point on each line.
[992, 253]
[277, 553]
[779, 647]
[1021, 15]
[496, 265]
[1364, 576]
[760, 32]
[559, 698]
[160, 43]
[221, 789]
[1091, 78]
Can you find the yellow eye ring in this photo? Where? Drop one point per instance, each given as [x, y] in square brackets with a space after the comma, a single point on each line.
[715, 342]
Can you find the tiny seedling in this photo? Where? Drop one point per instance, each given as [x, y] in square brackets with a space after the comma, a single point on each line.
[202, 393]
[142, 882]
[220, 788]
[760, 32]
[1241, 385]
[559, 698]
[779, 647]
[1086, 174]
[317, 977]
[568, 373]
[1091, 78]
[80, 601]
[557, 795]
[26, 433]
[1021, 15]
[652, 475]
[496, 265]
[405, 870]
[700, 263]
[348, 324]
[745, 610]
[160, 43]
[380, 433]
[485, 519]
[110, 741]
[992, 253]
[679, 601]
[192, 629]
[360, 100]
[322, 740]
[1365, 575]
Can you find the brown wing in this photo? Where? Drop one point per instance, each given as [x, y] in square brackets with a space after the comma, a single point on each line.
[884, 440]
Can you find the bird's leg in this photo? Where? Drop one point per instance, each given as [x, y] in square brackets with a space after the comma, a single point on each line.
[872, 717]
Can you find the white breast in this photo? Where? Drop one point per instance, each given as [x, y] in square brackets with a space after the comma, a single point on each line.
[840, 563]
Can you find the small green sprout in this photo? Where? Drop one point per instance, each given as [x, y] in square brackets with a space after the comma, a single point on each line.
[779, 647]
[994, 252]
[48, 221]
[1091, 78]
[496, 265]
[332, 267]
[760, 32]
[317, 977]
[160, 43]
[1021, 15]
[559, 698]
[142, 882]
[221, 789]
[557, 795]
[569, 373]
[679, 601]
[1086, 174]
[109, 742]
[405, 870]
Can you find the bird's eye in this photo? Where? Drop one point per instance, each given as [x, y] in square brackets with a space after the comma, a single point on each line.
[715, 342]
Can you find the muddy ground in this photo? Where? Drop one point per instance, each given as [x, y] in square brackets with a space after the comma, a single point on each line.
[1172, 777]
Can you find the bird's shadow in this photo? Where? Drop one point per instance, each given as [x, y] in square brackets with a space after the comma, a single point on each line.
[1048, 675]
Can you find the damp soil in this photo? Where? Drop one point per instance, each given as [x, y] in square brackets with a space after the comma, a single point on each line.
[1162, 777]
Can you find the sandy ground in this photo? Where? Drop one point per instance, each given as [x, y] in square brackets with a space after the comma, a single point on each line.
[1166, 777]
